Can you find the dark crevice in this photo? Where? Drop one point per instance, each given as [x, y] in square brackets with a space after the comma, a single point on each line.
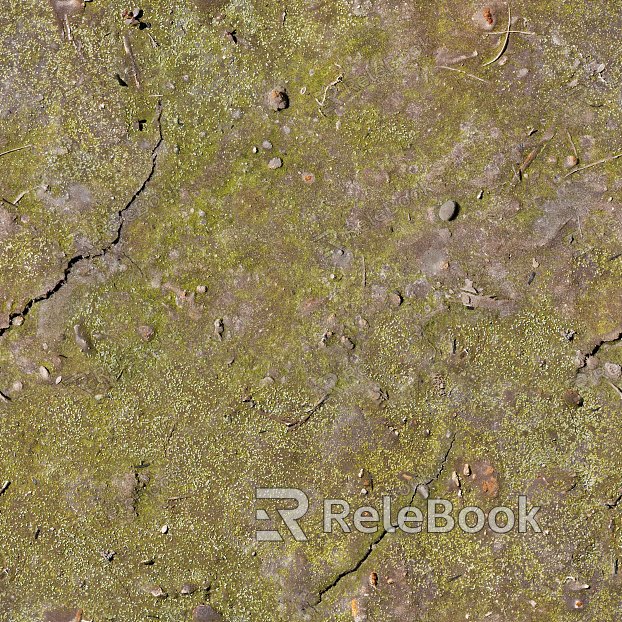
[78, 259]
[614, 504]
[611, 338]
[384, 532]
[356, 566]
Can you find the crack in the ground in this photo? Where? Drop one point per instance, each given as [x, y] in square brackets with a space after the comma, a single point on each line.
[77, 259]
[612, 505]
[354, 568]
[610, 338]
[372, 546]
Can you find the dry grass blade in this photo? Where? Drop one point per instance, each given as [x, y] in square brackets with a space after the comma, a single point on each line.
[603, 161]
[505, 41]
[466, 73]
[14, 150]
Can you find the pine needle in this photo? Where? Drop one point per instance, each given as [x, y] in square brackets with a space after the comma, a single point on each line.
[505, 42]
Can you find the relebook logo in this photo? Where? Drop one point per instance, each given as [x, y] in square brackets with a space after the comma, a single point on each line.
[439, 517]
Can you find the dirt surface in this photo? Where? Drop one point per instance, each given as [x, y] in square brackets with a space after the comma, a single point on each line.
[207, 286]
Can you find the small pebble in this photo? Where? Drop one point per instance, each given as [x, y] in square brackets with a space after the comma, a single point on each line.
[267, 145]
[347, 343]
[592, 362]
[571, 161]
[164, 529]
[205, 613]
[18, 320]
[573, 398]
[17, 386]
[188, 588]
[201, 289]
[613, 371]
[275, 163]
[448, 211]
[146, 332]
[395, 299]
[81, 338]
[278, 100]
[44, 373]
[486, 17]
[158, 592]
[63, 614]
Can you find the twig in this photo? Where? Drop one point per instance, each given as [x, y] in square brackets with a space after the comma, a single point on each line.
[153, 41]
[14, 150]
[309, 412]
[462, 58]
[505, 42]
[20, 196]
[335, 82]
[514, 32]
[4, 487]
[180, 497]
[603, 161]
[317, 404]
[69, 37]
[128, 50]
[574, 149]
[466, 73]
[618, 390]
[526, 163]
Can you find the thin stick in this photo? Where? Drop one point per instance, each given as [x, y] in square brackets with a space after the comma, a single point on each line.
[309, 412]
[14, 150]
[514, 32]
[574, 149]
[335, 82]
[603, 161]
[69, 37]
[466, 73]
[130, 54]
[20, 196]
[505, 42]
[526, 163]
[618, 391]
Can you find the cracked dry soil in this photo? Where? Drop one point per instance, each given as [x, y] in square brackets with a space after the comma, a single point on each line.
[208, 286]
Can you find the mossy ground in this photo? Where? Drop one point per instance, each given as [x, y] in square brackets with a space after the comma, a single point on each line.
[181, 429]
